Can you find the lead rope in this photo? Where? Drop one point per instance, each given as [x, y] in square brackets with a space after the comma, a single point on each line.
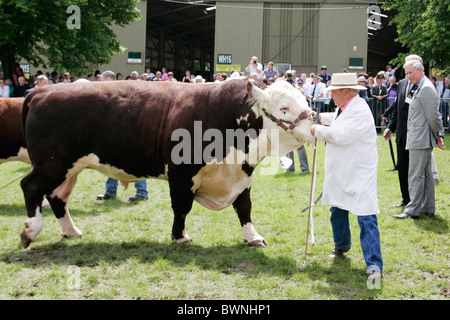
[14, 181]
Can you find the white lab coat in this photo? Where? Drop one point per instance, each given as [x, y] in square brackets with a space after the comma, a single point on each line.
[351, 160]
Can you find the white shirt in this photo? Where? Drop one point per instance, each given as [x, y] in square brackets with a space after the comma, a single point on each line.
[253, 70]
[4, 93]
[319, 88]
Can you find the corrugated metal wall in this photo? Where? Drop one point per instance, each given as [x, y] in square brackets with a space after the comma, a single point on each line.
[291, 35]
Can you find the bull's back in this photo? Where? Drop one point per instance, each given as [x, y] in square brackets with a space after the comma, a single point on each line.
[125, 124]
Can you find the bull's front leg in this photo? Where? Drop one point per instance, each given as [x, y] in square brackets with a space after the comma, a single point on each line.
[243, 207]
[182, 200]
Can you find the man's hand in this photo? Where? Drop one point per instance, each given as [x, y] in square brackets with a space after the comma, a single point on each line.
[313, 129]
[387, 134]
[440, 143]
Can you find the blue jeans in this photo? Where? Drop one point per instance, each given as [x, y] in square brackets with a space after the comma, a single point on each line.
[369, 236]
[111, 187]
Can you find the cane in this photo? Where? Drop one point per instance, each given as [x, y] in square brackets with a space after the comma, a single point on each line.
[311, 204]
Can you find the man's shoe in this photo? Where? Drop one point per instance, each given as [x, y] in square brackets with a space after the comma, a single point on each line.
[137, 197]
[338, 253]
[401, 204]
[430, 214]
[305, 172]
[405, 215]
[105, 196]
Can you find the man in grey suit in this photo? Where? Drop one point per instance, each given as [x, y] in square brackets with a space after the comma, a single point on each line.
[424, 131]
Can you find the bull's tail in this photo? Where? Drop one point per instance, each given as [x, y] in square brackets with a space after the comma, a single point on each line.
[25, 109]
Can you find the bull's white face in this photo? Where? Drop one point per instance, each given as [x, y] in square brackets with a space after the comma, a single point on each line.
[284, 102]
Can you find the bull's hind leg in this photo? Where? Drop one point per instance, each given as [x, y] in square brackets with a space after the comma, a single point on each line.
[243, 207]
[58, 200]
[33, 187]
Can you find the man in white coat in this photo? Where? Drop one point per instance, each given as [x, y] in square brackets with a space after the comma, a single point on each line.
[351, 160]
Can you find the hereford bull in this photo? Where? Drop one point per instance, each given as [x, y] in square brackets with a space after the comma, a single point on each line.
[12, 142]
[132, 130]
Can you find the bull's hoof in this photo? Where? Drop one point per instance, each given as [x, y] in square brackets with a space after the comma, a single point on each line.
[183, 240]
[256, 243]
[25, 239]
[72, 235]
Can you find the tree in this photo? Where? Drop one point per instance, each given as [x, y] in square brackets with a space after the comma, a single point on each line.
[424, 27]
[41, 32]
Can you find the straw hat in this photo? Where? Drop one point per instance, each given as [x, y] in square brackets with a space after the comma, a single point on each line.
[344, 81]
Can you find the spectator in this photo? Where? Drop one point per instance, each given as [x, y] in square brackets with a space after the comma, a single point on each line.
[187, 77]
[254, 67]
[17, 73]
[389, 71]
[199, 79]
[425, 131]
[324, 75]
[306, 83]
[66, 77]
[164, 75]
[112, 184]
[223, 76]
[363, 93]
[171, 78]
[19, 90]
[316, 92]
[54, 77]
[157, 76]
[41, 81]
[10, 84]
[270, 72]
[392, 91]
[445, 96]
[134, 75]
[4, 89]
[379, 92]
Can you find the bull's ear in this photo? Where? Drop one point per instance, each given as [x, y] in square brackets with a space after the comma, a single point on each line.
[256, 93]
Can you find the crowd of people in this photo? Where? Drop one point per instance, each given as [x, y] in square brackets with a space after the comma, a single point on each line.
[380, 94]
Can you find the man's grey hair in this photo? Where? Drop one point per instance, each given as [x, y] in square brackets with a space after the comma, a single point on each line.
[416, 64]
[41, 78]
[109, 74]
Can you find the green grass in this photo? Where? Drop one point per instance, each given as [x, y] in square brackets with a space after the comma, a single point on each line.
[126, 251]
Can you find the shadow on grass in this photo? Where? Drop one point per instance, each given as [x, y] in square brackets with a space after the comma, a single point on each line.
[434, 224]
[339, 279]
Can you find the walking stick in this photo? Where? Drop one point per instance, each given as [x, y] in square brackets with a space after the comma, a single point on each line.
[311, 204]
[392, 154]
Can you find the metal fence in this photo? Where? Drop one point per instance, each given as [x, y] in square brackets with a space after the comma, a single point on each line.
[378, 108]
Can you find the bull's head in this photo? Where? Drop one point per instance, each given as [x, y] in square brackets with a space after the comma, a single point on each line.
[285, 110]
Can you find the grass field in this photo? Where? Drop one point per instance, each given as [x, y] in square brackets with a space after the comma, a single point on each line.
[126, 251]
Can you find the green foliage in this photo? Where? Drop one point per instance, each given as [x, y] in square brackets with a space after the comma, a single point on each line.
[36, 30]
[424, 27]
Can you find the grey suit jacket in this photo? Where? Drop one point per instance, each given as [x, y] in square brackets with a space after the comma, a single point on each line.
[424, 118]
